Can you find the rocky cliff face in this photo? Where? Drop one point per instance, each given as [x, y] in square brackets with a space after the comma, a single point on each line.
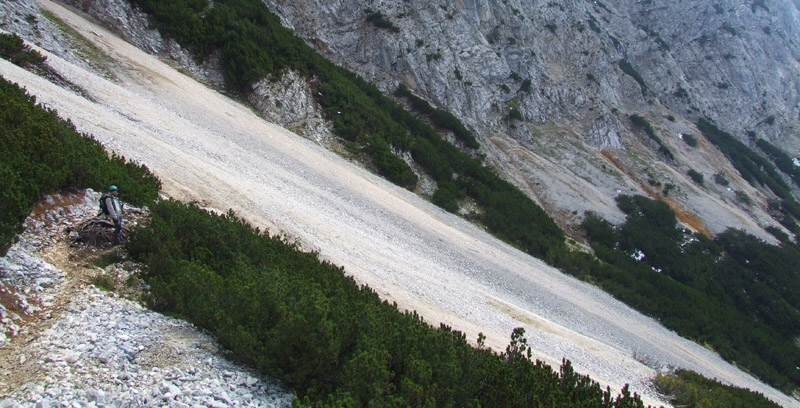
[733, 61]
[573, 71]
[576, 70]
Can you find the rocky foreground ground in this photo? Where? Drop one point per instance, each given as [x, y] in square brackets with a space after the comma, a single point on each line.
[66, 342]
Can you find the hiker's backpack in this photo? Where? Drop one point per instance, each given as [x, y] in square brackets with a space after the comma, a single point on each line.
[103, 206]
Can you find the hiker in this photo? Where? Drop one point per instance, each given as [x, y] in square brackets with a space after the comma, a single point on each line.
[112, 208]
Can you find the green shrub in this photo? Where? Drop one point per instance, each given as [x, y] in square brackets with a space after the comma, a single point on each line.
[446, 196]
[782, 160]
[662, 45]
[696, 176]
[379, 20]
[742, 197]
[720, 179]
[104, 282]
[493, 36]
[107, 259]
[752, 167]
[394, 168]
[730, 29]
[745, 288]
[439, 117]
[627, 68]
[688, 389]
[526, 85]
[14, 49]
[594, 25]
[690, 139]
[433, 56]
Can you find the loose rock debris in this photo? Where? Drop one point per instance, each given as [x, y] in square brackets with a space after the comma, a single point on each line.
[72, 332]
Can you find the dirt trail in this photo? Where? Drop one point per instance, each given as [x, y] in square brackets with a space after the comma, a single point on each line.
[19, 363]
[211, 150]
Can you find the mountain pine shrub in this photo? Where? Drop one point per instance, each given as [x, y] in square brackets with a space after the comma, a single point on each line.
[333, 342]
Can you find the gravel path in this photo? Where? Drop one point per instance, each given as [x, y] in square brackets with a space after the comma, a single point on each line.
[211, 150]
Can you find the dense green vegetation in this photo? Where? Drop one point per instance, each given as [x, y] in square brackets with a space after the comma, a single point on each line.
[14, 50]
[379, 20]
[302, 320]
[757, 170]
[696, 176]
[734, 293]
[720, 179]
[253, 45]
[690, 139]
[688, 389]
[41, 153]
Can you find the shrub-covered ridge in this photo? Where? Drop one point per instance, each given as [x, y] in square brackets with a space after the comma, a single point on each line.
[336, 344]
[735, 293]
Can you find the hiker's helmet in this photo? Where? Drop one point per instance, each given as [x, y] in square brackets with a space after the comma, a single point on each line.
[112, 188]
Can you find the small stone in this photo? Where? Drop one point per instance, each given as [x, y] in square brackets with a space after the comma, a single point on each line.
[71, 357]
[167, 388]
[97, 396]
[216, 404]
[44, 403]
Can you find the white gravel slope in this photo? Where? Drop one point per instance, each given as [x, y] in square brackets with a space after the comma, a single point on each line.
[211, 150]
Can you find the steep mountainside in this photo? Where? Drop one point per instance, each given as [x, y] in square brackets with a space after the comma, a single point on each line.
[549, 90]
[552, 156]
[576, 71]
